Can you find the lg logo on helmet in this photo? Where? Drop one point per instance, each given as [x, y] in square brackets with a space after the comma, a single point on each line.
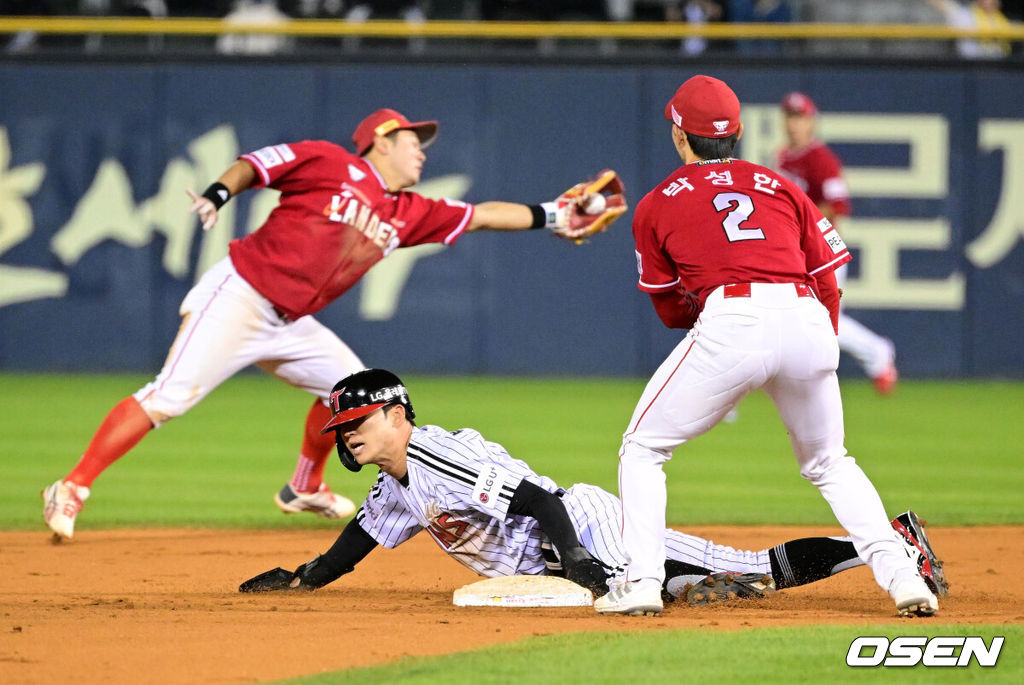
[914, 650]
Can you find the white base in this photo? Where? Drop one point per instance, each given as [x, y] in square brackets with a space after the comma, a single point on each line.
[523, 591]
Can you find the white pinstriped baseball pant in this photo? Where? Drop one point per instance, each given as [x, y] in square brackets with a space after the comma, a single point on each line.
[597, 515]
[773, 339]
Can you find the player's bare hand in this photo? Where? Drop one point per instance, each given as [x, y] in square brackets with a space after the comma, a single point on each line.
[204, 208]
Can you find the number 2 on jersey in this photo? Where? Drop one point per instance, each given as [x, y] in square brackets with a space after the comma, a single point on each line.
[742, 207]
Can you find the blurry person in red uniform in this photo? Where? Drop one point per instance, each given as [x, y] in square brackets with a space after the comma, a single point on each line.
[812, 165]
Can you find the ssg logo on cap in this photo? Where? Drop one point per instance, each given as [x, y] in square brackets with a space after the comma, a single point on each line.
[721, 126]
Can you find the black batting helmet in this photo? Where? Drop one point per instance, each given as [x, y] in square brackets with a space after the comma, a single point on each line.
[359, 394]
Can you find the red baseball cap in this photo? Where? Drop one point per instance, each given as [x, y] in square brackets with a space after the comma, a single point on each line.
[383, 122]
[799, 103]
[705, 106]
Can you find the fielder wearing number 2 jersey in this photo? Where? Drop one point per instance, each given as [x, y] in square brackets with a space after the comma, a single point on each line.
[494, 515]
[744, 259]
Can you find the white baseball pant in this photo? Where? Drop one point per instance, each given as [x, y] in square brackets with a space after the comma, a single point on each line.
[779, 338]
[597, 515]
[227, 325]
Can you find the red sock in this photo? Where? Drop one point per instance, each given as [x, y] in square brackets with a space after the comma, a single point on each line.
[316, 448]
[124, 426]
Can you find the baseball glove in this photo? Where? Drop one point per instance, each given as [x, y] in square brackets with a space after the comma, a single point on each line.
[589, 208]
[270, 581]
[720, 587]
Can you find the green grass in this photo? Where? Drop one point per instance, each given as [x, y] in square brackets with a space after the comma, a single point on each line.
[813, 654]
[950, 450]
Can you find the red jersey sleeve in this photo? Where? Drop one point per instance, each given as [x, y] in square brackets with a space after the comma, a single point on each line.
[833, 186]
[275, 164]
[431, 221]
[823, 248]
[657, 270]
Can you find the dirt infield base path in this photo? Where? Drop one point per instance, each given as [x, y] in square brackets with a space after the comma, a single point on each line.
[148, 606]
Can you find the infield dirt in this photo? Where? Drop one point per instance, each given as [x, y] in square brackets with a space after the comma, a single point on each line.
[161, 606]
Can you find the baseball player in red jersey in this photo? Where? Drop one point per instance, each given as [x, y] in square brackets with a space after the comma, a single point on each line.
[742, 257]
[809, 163]
[338, 214]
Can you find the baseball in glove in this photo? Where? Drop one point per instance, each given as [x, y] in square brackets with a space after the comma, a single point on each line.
[589, 208]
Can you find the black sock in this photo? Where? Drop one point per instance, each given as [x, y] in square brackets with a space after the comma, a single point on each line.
[806, 560]
[675, 568]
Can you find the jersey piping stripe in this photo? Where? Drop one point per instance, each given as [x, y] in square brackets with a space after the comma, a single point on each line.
[450, 238]
[455, 471]
[259, 168]
[445, 468]
[659, 287]
[195, 325]
[380, 179]
[662, 388]
[844, 257]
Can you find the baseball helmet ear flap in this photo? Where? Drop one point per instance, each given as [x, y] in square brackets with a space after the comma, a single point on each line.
[358, 395]
[347, 460]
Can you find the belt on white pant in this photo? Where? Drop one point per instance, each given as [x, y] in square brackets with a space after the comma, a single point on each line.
[743, 289]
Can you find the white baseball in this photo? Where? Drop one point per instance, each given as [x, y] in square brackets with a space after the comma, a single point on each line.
[595, 204]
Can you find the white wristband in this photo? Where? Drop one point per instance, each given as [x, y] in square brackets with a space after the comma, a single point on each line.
[550, 214]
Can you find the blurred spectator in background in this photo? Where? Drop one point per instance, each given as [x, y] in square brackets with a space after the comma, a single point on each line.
[547, 10]
[812, 165]
[26, 41]
[977, 14]
[254, 12]
[410, 11]
[696, 13]
[760, 11]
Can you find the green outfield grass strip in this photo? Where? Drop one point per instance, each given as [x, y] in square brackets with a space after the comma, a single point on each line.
[812, 654]
[950, 450]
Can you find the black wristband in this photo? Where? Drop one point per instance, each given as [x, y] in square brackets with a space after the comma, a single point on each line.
[217, 193]
[540, 217]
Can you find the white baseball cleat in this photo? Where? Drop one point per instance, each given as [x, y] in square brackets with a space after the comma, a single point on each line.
[63, 501]
[912, 596]
[323, 502]
[640, 597]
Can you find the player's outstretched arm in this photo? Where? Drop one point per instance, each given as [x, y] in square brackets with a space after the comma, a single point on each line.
[237, 178]
[502, 216]
[579, 212]
[349, 549]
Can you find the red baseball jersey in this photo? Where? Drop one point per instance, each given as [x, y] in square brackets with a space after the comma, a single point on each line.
[716, 222]
[818, 172]
[335, 219]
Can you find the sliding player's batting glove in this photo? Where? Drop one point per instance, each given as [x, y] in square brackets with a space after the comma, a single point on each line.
[273, 581]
